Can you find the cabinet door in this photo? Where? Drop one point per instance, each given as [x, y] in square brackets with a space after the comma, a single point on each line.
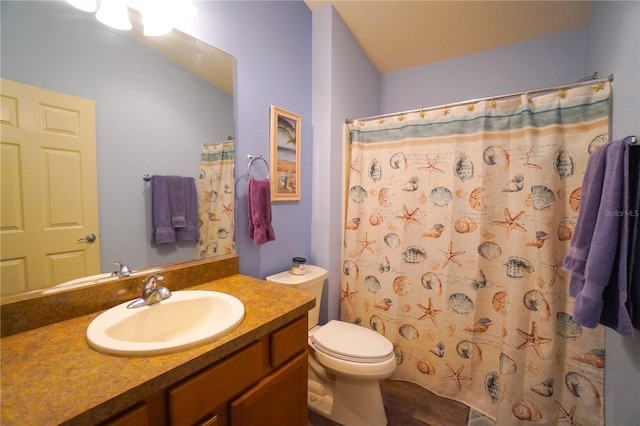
[137, 416]
[279, 399]
[211, 421]
[212, 388]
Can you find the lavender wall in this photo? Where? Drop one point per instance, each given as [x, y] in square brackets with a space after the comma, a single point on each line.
[271, 43]
[548, 61]
[345, 84]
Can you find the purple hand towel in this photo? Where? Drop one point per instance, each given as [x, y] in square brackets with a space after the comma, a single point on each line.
[163, 231]
[190, 230]
[576, 259]
[606, 249]
[177, 200]
[259, 202]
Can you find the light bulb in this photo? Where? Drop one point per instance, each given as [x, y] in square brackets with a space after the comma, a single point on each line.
[156, 23]
[115, 14]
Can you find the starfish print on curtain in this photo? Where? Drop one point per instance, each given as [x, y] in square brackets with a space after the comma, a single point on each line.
[450, 255]
[511, 223]
[409, 218]
[429, 312]
[533, 339]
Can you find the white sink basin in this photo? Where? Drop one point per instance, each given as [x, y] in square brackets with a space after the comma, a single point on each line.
[188, 318]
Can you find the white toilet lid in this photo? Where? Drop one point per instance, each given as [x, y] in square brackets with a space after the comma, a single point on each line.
[351, 342]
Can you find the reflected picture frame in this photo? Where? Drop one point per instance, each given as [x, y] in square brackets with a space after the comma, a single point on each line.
[285, 155]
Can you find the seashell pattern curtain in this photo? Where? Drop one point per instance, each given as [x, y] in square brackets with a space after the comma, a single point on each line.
[216, 201]
[457, 222]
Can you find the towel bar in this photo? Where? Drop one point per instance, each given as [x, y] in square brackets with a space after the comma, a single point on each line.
[250, 159]
[634, 141]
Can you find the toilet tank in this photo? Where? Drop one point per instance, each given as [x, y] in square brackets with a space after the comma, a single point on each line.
[312, 281]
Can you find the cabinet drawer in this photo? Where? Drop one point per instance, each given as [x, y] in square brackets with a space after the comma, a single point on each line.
[288, 340]
[198, 396]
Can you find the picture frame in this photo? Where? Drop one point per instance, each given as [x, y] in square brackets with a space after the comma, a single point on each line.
[285, 155]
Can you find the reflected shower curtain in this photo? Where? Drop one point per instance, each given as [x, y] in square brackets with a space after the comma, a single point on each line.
[216, 201]
[457, 223]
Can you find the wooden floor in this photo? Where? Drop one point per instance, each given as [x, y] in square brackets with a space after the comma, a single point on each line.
[407, 404]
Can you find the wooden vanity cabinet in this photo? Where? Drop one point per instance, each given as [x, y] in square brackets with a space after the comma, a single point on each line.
[151, 412]
[279, 399]
[137, 416]
[263, 383]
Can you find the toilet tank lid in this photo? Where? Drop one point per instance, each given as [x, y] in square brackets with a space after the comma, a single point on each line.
[311, 272]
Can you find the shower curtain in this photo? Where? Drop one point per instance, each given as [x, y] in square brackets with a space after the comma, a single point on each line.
[216, 201]
[457, 222]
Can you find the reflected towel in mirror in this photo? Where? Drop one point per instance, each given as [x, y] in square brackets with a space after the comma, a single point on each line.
[164, 230]
[177, 205]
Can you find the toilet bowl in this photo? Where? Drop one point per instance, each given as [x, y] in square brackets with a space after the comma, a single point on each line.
[346, 361]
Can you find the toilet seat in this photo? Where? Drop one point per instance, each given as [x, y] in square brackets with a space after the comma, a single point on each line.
[350, 342]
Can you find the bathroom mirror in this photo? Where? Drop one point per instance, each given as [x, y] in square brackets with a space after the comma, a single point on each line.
[157, 102]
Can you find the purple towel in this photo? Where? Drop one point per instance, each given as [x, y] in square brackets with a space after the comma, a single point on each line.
[576, 259]
[163, 230]
[604, 270]
[259, 202]
[177, 200]
[190, 230]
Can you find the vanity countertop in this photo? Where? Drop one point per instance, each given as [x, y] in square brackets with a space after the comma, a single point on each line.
[50, 375]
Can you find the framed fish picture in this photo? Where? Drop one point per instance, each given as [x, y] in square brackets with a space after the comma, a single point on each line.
[285, 155]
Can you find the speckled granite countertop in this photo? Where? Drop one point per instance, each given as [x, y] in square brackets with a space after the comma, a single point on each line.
[50, 375]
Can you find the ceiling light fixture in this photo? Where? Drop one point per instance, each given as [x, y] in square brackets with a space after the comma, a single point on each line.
[155, 24]
[158, 16]
[115, 14]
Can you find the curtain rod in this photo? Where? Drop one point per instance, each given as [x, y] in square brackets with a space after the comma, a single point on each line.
[584, 81]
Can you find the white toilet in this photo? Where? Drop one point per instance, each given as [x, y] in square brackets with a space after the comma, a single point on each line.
[349, 361]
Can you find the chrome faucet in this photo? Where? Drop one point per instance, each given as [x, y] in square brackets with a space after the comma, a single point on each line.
[123, 270]
[151, 292]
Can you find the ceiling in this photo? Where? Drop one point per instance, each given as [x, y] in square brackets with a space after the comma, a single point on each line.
[400, 34]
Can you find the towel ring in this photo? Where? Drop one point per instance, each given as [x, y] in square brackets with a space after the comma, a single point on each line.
[251, 158]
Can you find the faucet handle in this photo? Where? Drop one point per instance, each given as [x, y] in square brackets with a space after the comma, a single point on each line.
[151, 281]
[123, 270]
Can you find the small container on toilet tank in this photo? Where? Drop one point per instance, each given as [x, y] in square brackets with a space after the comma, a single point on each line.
[297, 265]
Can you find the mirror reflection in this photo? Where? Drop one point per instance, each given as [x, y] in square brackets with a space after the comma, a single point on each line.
[162, 106]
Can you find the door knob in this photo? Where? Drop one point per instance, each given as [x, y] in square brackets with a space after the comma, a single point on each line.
[89, 238]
